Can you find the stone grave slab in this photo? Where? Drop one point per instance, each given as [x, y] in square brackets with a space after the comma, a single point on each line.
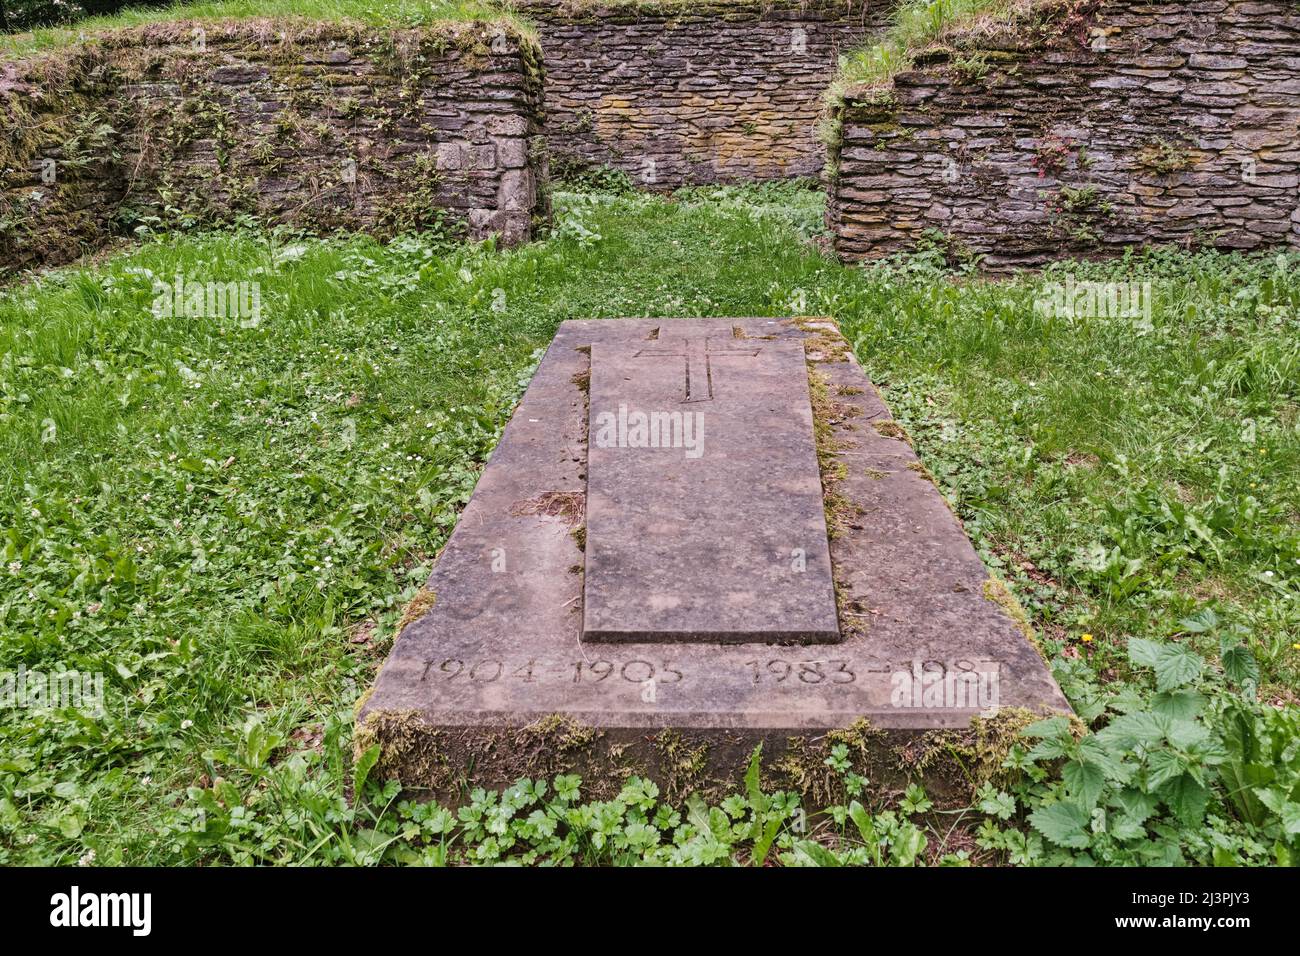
[705, 519]
[497, 680]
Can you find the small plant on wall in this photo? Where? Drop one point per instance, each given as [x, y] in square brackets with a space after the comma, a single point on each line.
[971, 69]
[1164, 157]
[1052, 155]
[1078, 214]
[1076, 20]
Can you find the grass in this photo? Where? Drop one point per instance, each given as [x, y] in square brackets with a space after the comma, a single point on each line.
[402, 13]
[915, 25]
[225, 519]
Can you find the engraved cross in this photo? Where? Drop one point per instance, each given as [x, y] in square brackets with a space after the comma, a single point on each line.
[699, 357]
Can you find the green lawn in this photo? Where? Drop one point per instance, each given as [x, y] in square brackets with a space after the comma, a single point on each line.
[402, 13]
[225, 519]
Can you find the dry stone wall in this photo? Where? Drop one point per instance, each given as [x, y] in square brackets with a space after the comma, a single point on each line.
[1087, 128]
[676, 93]
[322, 126]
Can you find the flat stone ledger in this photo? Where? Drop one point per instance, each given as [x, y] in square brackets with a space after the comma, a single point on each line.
[705, 519]
[496, 681]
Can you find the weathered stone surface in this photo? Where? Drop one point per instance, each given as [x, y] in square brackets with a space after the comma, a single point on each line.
[500, 654]
[1085, 147]
[704, 502]
[713, 92]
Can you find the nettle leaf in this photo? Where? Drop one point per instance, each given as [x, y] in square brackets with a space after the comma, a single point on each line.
[1130, 698]
[1239, 664]
[1124, 827]
[1063, 824]
[1187, 734]
[1135, 804]
[1049, 749]
[1085, 782]
[1200, 622]
[1110, 762]
[1089, 707]
[1054, 727]
[1291, 819]
[1164, 766]
[1274, 799]
[1133, 730]
[1176, 666]
[1056, 738]
[1142, 652]
[1178, 704]
[1186, 798]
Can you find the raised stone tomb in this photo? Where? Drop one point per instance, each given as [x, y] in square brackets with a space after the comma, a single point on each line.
[683, 636]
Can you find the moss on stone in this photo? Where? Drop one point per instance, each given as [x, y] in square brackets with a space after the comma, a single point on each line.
[416, 608]
[445, 762]
[804, 768]
[682, 764]
[408, 746]
[996, 590]
[822, 340]
[969, 757]
[293, 18]
[889, 428]
[840, 510]
[919, 468]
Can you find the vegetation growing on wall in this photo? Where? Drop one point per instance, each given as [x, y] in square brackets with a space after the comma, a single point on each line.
[122, 149]
[400, 13]
[1074, 144]
[916, 25]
